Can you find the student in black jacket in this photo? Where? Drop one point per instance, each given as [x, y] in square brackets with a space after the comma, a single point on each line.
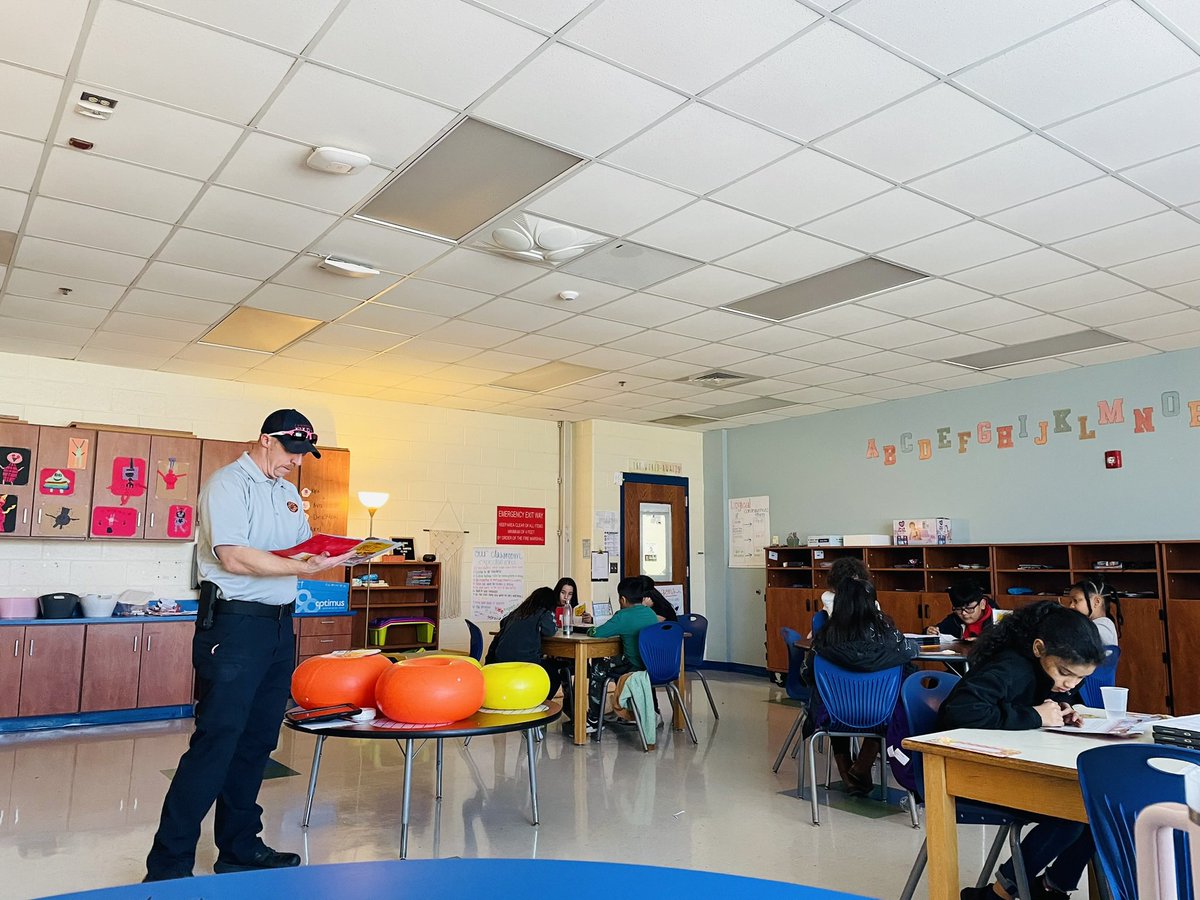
[861, 638]
[1021, 669]
[521, 633]
[971, 612]
[656, 601]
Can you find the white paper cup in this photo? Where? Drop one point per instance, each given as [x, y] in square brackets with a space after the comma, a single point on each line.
[1116, 701]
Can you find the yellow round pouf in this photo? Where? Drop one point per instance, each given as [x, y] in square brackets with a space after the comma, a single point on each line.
[514, 685]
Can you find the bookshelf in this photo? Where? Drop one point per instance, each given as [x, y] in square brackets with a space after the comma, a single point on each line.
[412, 590]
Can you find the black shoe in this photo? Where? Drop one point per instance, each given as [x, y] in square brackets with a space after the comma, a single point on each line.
[266, 858]
[1043, 891]
[974, 893]
[165, 876]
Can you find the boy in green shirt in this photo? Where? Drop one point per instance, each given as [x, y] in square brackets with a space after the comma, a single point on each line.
[627, 623]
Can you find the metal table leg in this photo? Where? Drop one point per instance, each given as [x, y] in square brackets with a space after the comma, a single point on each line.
[312, 779]
[439, 769]
[408, 764]
[529, 744]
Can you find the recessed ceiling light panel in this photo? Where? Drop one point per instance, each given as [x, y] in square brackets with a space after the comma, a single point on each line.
[682, 421]
[840, 285]
[259, 329]
[1044, 348]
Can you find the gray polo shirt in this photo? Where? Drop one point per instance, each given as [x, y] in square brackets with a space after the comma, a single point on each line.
[242, 507]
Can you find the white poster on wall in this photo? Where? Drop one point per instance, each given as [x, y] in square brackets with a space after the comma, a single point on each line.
[673, 594]
[497, 581]
[749, 530]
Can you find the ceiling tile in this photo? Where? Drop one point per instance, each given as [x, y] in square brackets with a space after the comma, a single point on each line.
[481, 271]
[12, 209]
[81, 262]
[864, 383]
[44, 331]
[714, 325]
[138, 51]
[715, 355]
[668, 368]
[774, 339]
[903, 392]
[711, 286]
[1015, 173]
[472, 334]
[517, 314]
[389, 249]
[706, 230]
[826, 351]
[801, 187]
[790, 256]
[1176, 341]
[1175, 178]
[821, 375]
[504, 361]
[323, 108]
[136, 349]
[546, 290]
[188, 282]
[1123, 309]
[296, 301]
[543, 347]
[1031, 329]
[50, 312]
[1071, 292]
[924, 297]
[811, 395]
[169, 306]
[687, 44]
[258, 19]
[1161, 271]
[1024, 270]
[645, 310]
[933, 129]
[1158, 326]
[202, 370]
[1188, 292]
[607, 358]
[1115, 353]
[21, 160]
[1138, 128]
[887, 361]
[594, 330]
[447, 51]
[965, 33]
[969, 379]
[43, 41]
[39, 94]
[900, 334]
[441, 299]
[27, 283]
[826, 78]
[306, 273]
[1036, 367]
[961, 247]
[1136, 240]
[608, 200]
[325, 353]
[275, 167]
[1078, 210]
[950, 347]
[550, 15]
[656, 343]
[543, 100]
[771, 366]
[75, 176]
[973, 316]
[357, 338]
[892, 218]
[844, 319]
[93, 227]
[392, 318]
[925, 372]
[152, 326]
[255, 218]
[720, 149]
[222, 254]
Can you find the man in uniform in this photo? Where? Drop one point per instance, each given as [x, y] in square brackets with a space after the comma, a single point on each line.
[242, 652]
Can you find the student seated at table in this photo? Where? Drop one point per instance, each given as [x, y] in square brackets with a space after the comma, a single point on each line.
[656, 601]
[859, 637]
[626, 623]
[971, 612]
[1091, 599]
[843, 567]
[521, 633]
[1020, 668]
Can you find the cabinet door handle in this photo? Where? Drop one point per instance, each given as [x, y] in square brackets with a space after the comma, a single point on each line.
[325, 621]
[17, 647]
[136, 640]
[39, 518]
[31, 646]
[149, 638]
[139, 520]
[325, 641]
[151, 520]
[25, 516]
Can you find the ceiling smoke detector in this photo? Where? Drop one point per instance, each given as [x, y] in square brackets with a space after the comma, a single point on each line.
[539, 240]
[336, 161]
[344, 267]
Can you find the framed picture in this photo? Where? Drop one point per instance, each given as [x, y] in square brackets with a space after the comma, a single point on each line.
[405, 548]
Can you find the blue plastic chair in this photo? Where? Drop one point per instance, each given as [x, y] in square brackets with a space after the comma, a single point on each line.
[661, 647]
[859, 704]
[819, 621]
[1117, 784]
[1104, 676]
[476, 650]
[695, 628]
[795, 689]
[922, 695]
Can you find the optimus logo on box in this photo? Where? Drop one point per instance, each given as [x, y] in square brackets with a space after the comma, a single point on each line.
[321, 597]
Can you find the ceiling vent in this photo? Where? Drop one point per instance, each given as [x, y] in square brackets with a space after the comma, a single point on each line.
[538, 240]
[682, 421]
[718, 378]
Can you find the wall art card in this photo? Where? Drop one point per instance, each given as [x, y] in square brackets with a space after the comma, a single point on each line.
[56, 482]
[179, 521]
[128, 478]
[8, 513]
[114, 521]
[77, 453]
[66, 521]
[14, 466]
[170, 479]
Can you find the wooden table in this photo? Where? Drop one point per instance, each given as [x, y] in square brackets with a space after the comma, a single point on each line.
[1042, 779]
[958, 651]
[579, 647]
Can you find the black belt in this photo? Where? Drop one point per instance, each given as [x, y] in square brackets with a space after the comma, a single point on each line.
[250, 608]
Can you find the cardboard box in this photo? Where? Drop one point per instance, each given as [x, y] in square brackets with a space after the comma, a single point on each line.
[824, 540]
[321, 598]
[867, 540]
[921, 531]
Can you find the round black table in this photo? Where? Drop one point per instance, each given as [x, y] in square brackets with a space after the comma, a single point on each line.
[482, 723]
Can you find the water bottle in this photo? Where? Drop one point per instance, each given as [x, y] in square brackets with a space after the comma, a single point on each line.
[568, 615]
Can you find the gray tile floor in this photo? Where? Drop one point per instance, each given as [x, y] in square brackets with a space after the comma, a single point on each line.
[78, 807]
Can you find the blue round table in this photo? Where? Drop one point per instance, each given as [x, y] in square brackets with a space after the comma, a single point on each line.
[466, 879]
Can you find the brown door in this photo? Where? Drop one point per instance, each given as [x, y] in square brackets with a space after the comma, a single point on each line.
[904, 608]
[166, 675]
[934, 608]
[122, 479]
[1183, 622]
[63, 474]
[174, 469]
[12, 644]
[111, 658]
[18, 451]
[51, 670]
[324, 486]
[655, 533]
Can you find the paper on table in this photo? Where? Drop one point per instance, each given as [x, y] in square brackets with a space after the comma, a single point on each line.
[1131, 726]
[986, 749]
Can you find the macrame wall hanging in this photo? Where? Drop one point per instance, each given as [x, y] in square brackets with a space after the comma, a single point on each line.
[447, 544]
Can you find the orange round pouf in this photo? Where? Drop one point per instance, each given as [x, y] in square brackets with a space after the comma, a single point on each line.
[431, 690]
[345, 676]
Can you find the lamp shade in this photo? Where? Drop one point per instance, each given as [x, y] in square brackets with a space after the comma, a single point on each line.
[372, 499]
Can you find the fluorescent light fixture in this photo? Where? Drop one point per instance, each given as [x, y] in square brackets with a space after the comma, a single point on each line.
[258, 329]
[8, 242]
[472, 174]
[832, 288]
[347, 269]
[424, 234]
[1043, 348]
[682, 421]
[545, 378]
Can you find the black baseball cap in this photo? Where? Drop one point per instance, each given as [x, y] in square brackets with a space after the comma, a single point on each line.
[293, 430]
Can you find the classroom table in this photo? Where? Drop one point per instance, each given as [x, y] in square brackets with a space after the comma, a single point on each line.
[951, 652]
[481, 723]
[464, 879]
[1042, 778]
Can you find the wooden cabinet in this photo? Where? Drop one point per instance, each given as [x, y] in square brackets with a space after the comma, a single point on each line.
[905, 609]
[217, 454]
[790, 607]
[18, 452]
[122, 477]
[1181, 591]
[51, 667]
[64, 477]
[174, 483]
[166, 677]
[12, 645]
[405, 596]
[318, 635]
[324, 486]
[111, 660]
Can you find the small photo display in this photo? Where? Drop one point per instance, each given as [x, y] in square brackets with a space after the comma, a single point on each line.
[405, 547]
[601, 611]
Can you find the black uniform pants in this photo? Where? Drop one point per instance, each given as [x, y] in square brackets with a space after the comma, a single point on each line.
[243, 675]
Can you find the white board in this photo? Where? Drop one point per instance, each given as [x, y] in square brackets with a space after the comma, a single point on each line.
[749, 530]
[673, 594]
[497, 581]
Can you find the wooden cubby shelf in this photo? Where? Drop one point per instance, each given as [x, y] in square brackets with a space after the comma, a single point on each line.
[401, 600]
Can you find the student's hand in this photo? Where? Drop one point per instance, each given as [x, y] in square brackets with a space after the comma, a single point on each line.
[932, 629]
[1070, 717]
[1051, 713]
